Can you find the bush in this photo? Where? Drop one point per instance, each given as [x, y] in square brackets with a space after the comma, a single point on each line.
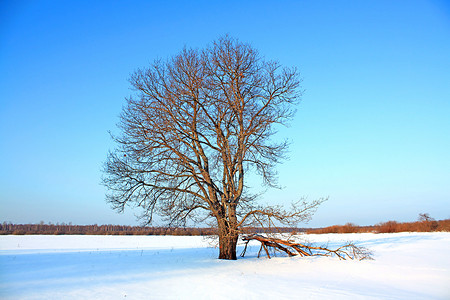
[388, 227]
[443, 225]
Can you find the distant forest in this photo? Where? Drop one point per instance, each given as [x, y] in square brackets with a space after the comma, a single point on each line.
[425, 225]
[19, 229]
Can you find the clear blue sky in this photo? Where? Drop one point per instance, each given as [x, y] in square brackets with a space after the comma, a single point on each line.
[372, 131]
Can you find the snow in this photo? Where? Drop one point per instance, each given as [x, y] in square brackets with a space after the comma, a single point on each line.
[406, 266]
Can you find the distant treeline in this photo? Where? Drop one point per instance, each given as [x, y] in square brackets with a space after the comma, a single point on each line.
[18, 229]
[428, 225]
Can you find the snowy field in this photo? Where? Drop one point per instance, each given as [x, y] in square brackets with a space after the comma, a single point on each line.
[406, 266]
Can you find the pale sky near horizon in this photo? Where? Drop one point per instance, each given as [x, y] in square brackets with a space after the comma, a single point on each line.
[372, 131]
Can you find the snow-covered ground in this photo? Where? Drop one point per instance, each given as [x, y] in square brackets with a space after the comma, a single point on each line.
[406, 266]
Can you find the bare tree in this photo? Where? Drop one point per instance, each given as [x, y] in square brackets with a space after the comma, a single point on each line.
[195, 126]
[425, 217]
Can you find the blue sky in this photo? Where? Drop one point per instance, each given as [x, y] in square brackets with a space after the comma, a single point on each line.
[372, 131]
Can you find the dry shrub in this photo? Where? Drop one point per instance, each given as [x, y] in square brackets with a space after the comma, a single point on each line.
[388, 227]
[419, 226]
[427, 226]
[347, 228]
[443, 225]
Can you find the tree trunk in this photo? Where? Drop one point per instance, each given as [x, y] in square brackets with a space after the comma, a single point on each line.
[228, 238]
[227, 246]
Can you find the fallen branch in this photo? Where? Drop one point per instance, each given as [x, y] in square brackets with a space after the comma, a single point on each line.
[347, 251]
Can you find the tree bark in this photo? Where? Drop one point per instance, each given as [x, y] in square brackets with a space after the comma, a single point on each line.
[227, 247]
[228, 238]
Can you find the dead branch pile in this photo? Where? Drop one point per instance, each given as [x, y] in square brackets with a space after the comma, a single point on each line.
[347, 251]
